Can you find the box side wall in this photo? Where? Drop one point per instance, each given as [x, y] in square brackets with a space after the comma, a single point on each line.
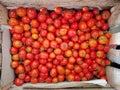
[7, 75]
[64, 3]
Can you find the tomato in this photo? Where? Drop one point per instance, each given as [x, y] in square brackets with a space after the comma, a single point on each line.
[94, 34]
[18, 82]
[53, 72]
[83, 26]
[100, 54]
[71, 33]
[103, 40]
[77, 78]
[86, 16]
[63, 31]
[53, 44]
[70, 66]
[22, 76]
[77, 69]
[34, 23]
[105, 14]
[29, 41]
[93, 54]
[84, 45]
[105, 26]
[70, 77]
[44, 10]
[22, 54]
[74, 25]
[12, 13]
[57, 51]
[92, 43]
[96, 11]
[50, 36]
[106, 48]
[44, 55]
[71, 60]
[99, 24]
[55, 80]
[49, 20]
[53, 15]
[13, 22]
[41, 80]
[78, 15]
[34, 73]
[46, 43]
[26, 20]
[76, 46]
[31, 13]
[91, 22]
[48, 80]
[85, 8]
[13, 50]
[21, 11]
[18, 29]
[61, 78]
[14, 64]
[52, 55]
[30, 56]
[27, 62]
[88, 61]
[64, 62]
[17, 44]
[58, 10]
[64, 46]
[82, 53]
[15, 57]
[26, 27]
[57, 23]
[68, 53]
[34, 64]
[75, 53]
[34, 80]
[41, 17]
[27, 34]
[20, 69]
[60, 70]
[36, 44]
[67, 14]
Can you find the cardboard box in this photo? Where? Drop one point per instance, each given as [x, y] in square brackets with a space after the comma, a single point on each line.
[7, 75]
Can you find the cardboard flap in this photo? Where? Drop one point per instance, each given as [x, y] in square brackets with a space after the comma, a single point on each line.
[7, 75]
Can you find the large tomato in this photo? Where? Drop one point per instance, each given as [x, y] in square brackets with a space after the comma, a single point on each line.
[105, 14]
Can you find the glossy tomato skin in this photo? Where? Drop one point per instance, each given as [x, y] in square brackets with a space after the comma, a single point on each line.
[18, 82]
[31, 13]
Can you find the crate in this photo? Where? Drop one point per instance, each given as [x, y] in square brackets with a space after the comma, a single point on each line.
[7, 74]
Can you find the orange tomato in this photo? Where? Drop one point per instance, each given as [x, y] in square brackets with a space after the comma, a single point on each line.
[57, 51]
[103, 39]
[26, 27]
[15, 57]
[68, 53]
[34, 30]
[84, 45]
[82, 53]
[21, 11]
[17, 43]
[63, 31]
[92, 43]
[13, 22]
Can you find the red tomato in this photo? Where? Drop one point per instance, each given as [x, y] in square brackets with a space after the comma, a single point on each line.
[22, 54]
[71, 33]
[64, 46]
[43, 55]
[78, 15]
[12, 13]
[83, 26]
[44, 10]
[86, 16]
[53, 15]
[67, 14]
[13, 50]
[18, 82]
[20, 69]
[49, 80]
[36, 44]
[29, 41]
[26, 20]
[77, 69]
[34, 64]
[58, 10]
[85, 8]
[105, 14]
[96, 11]
[34, 80]
[22, 76]
[13, 22]
[30, 56]
[41, 17]
[27, 78]
[34, 73]
[50, 36]
[34, 23]
[53, 72]
[77, 78]
[91, 22]
[31, 13]
[44, 69]
[57, 23]
[105, 26]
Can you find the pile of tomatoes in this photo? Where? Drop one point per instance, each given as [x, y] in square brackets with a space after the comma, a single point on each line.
[58, 45]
